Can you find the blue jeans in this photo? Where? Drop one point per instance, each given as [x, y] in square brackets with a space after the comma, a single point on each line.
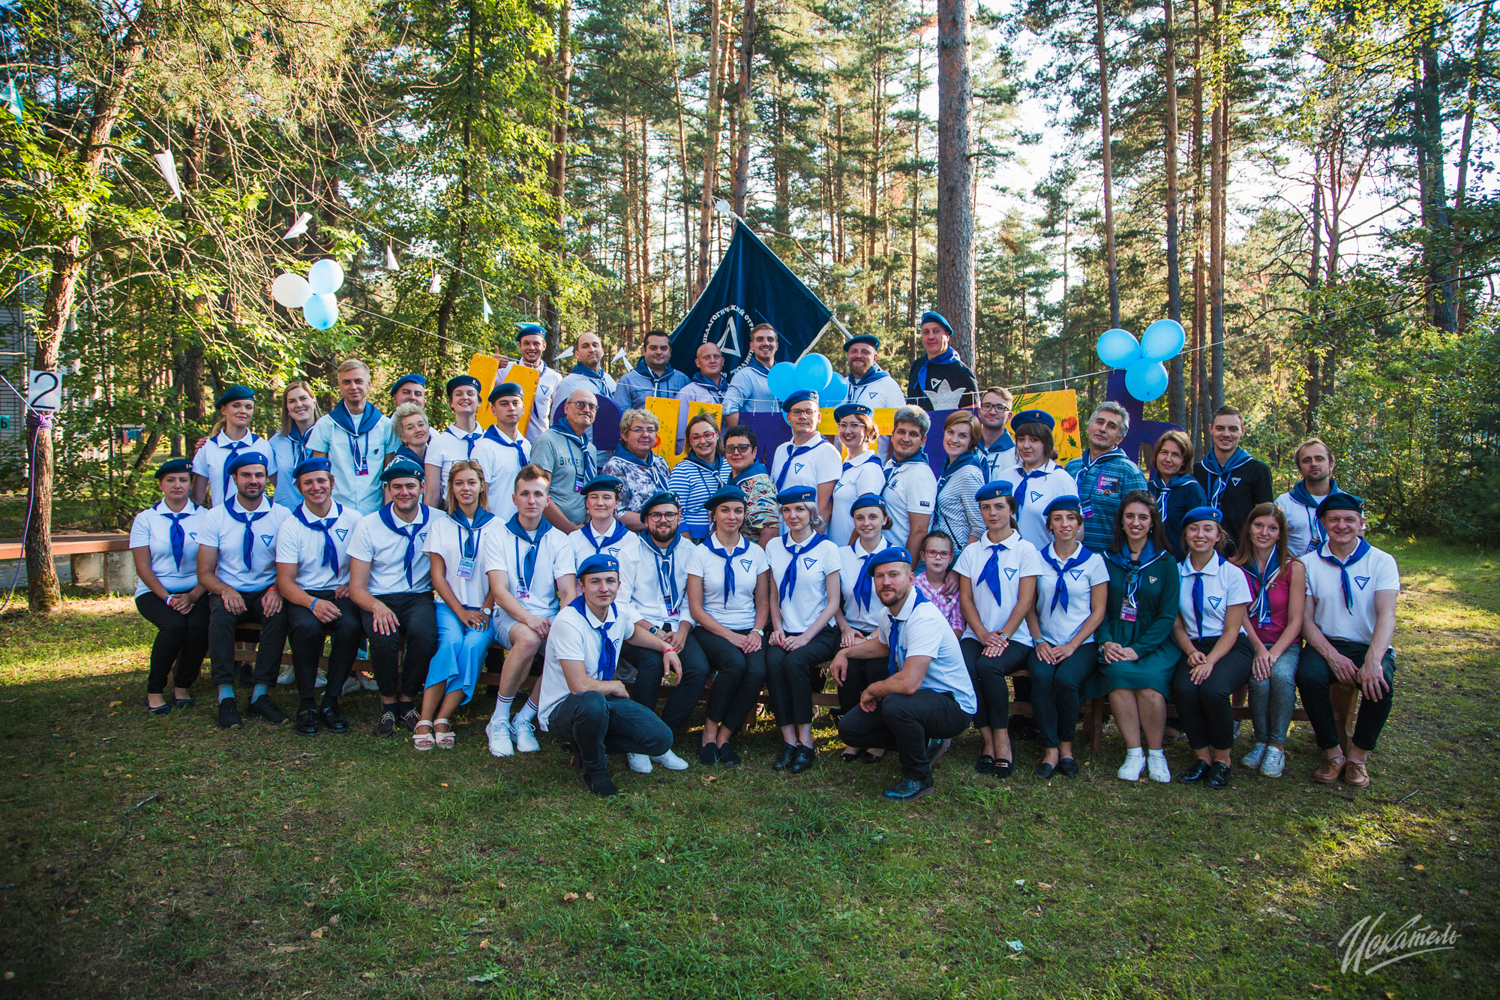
[460, 653]
[599, 725]
[1273, 699]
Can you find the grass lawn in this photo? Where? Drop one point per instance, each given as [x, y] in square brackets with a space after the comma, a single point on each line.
[265, 864]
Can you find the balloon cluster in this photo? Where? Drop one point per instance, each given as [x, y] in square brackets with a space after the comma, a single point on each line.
[812, 372]
[312, 294]
[1145, 374]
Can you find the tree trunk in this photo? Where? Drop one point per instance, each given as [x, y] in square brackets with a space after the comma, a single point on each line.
[747, 56]
[1435, 210]
[955, 209]
[710, 148]
[1314, 267]
[1460, 188]
[1176, 408]
[557, 173]
[1107, 155]
[682, 159]
[1200, 277]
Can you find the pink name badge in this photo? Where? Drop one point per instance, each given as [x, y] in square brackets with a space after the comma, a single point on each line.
[1127, 612]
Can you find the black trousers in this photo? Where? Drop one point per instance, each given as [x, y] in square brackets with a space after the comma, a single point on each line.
[790, 676]
[1314, 679]
[307, 644]
[417, 615]
[1055, 693]
[988, 675]
[1204, 709]
[221, 625]
[860, 675]
[181, 641]
[649, 671]
[599, 725]
[904, 723]
[738, 681]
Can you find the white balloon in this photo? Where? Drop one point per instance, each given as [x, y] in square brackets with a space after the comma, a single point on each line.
[325, 276]
[291, 290]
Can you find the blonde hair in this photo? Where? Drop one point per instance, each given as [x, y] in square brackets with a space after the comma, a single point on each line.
[350, 365]
[286, 421]
[464, 465]
[632, 417]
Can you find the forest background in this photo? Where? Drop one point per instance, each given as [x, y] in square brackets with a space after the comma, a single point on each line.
[1307, 186]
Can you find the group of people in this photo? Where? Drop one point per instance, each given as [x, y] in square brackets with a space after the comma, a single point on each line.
[920, 594]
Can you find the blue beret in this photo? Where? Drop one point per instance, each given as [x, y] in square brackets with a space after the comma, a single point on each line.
[311, 465]
[994, 490]
[865, 338]
[412, 379]
[852, 410]
[867, 500]
[599, 562]
[245, 458]
[173, 465]
[1203, 514]
[658, 499]
[936, 317]
[1339, 500]
[403, 468]
[800, 396]
[1032, 417]
[725, 494]
[602, 483]
[530, 329]
[1064, 503]
[504, 389]
[797, 494]
[234, 394]
[459, 381]
[894, 553]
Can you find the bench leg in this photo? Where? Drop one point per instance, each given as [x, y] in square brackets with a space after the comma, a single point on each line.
[1345, 701]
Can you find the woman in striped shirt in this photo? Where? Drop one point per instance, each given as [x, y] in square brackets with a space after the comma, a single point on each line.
[699, 476]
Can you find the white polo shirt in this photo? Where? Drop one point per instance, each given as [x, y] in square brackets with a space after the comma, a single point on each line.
[364, 493]
[215, 453]
[820, 464]
[501, 463]
[303, 547]
[1018, 560]
[152, 529]
[854, 560]
[451, 445]
[1031, 519]
[1374, 571]
[925, 632]
[575, 636]
[1303, 529]
[653, 594]
[619, 542]
[864, 474]
[554, 560]
[1059, 626]
[446, 538]
[809, 595]
[910, 488]
[219, 530]
[385, 550]
[1224, 585]
[749, 562]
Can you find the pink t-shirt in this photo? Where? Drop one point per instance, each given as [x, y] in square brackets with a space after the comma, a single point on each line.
[1281, 590]
[947, 604]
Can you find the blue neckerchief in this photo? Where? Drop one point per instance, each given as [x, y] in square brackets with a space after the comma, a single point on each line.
[367, 420]
[492, 433]
[649, 463]
[248, 519]
[177, 533]
[299, 444]
[469, 440]
[1060, 594]
[595, 375]
[405, 452]
[527, 565]
[469, 531]
[894, 662]
[1309, 504]
[1002, 443]
[875, 374]
[868, 456]
[617, 533]
[793, 452]
[1089, 463]
[1326, 554]
[233, 447]
[946, 358]
[388, 518]
[589, 469]
[666, 569]
[795, 551]
[728, 557]
[1162, 489]
[1264, 580]
[1198, 574]
[717, 388]
[990, 575]
[325, 525]
[644, 371]
[949, 468]
[864, 584]
[606, 644]
[753, 469]
[893, 466]
[1218, 475]
[1133, 567]
[754, 365]
[1020, 491]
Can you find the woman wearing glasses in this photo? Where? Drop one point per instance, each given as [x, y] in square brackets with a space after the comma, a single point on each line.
[700, 475]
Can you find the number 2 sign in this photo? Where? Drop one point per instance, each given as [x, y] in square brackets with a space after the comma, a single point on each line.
[44, 391]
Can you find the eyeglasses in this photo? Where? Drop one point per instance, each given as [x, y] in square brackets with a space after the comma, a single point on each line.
[705, 436]
[590, 407]
[737, 449]
[994, 407]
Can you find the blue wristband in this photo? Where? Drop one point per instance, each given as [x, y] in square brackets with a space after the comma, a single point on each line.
[313, 604]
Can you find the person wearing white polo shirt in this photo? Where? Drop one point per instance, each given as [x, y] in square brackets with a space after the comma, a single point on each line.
[457, 441]
[996, 589]
[859, 616]
[390, 579]
[230, 436]
[312, 574]
[804, 599]
[603, 532]
[1300, 504]
[910, 488]
[927, 696]
[503, 450]
[1347, 625]
[164, 546]
[1216, 656]
[807, 459]
[861, 473]
[1036, 480]
[353, 436]
[583, 703]
[1071, 594]
[237, 566]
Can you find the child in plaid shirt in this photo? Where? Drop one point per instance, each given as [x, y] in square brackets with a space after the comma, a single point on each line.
[938, 584]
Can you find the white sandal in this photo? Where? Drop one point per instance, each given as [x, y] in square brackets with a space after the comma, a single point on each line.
[422, 741]
[444, 740]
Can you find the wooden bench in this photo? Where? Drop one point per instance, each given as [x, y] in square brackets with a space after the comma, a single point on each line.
[98, 562]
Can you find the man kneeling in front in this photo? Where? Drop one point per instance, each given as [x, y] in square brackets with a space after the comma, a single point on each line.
[927, 698]
[581, 701]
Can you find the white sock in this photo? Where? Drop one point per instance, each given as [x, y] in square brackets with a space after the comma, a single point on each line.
[502, 709]
[526, 714]
[1134, 753]
[1158, 753]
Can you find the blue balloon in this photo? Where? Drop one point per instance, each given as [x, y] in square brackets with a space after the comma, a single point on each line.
[813, 372]
[1118, 348]
[1163, 340]
[1146, 379]
[834, 392]
[783, 379]
[321, 311]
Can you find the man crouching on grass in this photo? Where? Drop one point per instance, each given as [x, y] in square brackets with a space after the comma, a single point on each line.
[581, 701]
[927, 698]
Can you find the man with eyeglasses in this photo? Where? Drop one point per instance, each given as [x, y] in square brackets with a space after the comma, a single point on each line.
[564, 451]
[997, 449]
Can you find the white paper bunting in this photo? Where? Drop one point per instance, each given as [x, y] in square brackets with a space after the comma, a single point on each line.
[299, 227]
[166, 164]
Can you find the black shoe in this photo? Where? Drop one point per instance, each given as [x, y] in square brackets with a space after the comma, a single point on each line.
[599, 783]
[1218, 775]
[907, 790]
[1043, 771]
[784, 759]
[183, 702]
[1002, 769]
[410, 719]
[935, 751]
[266, 709]
[727, 756]
[1068, 767]
[333, 721]
[165, 709]
[229, 715]
[985, 764]
[385, 726]
[307, 722]
[1198, 772]
[708, 754]
[802, 760]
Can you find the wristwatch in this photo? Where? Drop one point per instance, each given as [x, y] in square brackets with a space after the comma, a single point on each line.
[654, 630]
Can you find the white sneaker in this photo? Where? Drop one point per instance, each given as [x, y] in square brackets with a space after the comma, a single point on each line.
[671, 761]
[1255, 756]
[1274, 763]
[525, 737]
[499, 737]
[1132, 768]
[367, 682]
[351, 686]
[1157, 768]
[321, 682]
[287, 676]
[639, 763]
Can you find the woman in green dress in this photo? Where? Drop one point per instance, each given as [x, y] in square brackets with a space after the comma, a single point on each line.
[1136, 653]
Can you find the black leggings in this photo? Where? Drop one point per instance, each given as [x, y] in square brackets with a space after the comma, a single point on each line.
[791, 677]
[181, 640]
[1204, 709]
[988, 674]
[738, 682]
[1055, 698]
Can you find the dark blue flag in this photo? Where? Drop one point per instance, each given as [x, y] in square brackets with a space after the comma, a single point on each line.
[751, 286]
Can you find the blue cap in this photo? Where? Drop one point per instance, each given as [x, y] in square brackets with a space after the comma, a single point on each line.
[314, 464]
[936, 317]
[459, 381]
[601, 484]
[658, 499]
[800, 396]
[412, 379]
[530, 329]
[234, 394]
[245, 458]
[1032, 417]
[1069, 502]
[865, 338]
[725, 494]
[403, 468]
[599, 562]
[504, 389]
[1339, 500]
[173, 465]
[894, 553]
[1206, 514]
[798, 494]
[867, 500]
[994, 490]
[852, 410]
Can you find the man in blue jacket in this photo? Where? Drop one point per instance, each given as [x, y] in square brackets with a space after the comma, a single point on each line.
[653, 375]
